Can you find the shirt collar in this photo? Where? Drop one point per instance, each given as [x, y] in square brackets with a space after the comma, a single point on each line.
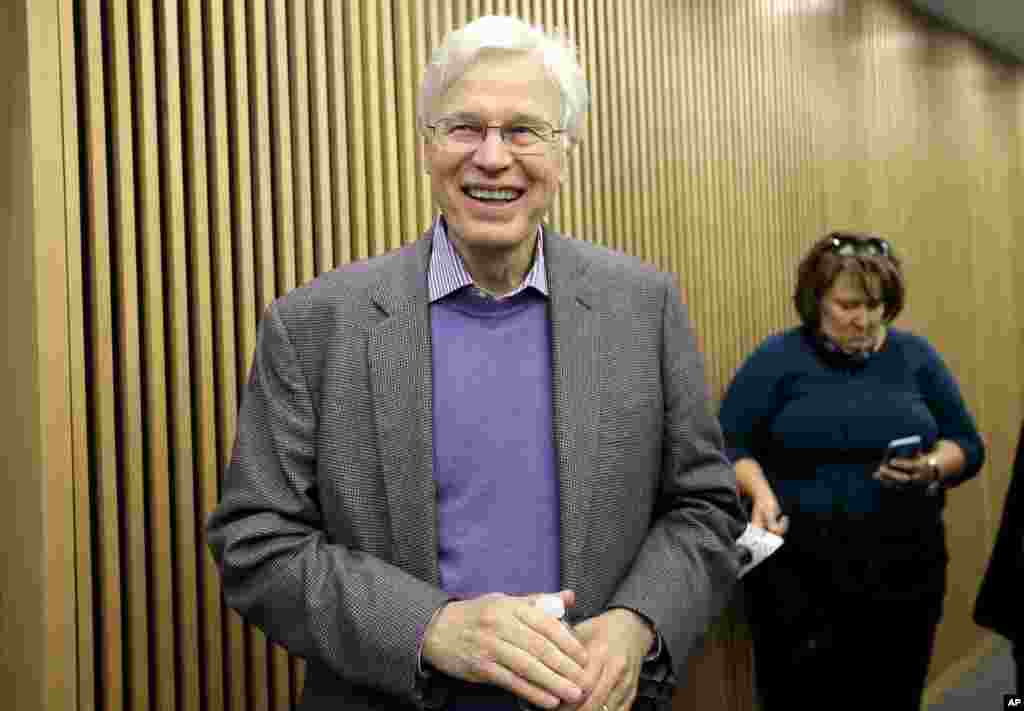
[448, 273]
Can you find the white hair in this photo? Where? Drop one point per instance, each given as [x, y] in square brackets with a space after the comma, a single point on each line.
[463, 47]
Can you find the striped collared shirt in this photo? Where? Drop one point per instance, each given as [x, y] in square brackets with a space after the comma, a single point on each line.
[448, 272]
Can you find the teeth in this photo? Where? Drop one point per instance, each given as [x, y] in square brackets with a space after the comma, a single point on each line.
[481, 194]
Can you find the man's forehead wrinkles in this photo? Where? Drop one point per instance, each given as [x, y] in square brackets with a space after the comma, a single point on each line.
[518, 116]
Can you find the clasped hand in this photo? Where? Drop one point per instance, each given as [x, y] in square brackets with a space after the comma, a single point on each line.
[508, 642]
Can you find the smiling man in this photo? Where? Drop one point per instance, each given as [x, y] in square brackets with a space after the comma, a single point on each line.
[431, 439]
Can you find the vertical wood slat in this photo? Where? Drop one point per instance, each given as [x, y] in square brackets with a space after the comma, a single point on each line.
[357, 125]
[297, 88]
[128, 386]
[283, 147]
[637, 80]
[559, 217]
[320, 120]
[103, 436]
[175, 271]
[339, 147]
[407, 69]
[739, 215]
[73, 74]
[421, 58]
[258, 34]
[587, 177]
[697, 178]
[158, 504]
[394, 199]
[371, 67]
[604, 158]
[574, 184]
[650, 81]
[667, 137]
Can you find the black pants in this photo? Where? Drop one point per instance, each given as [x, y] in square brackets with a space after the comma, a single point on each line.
[843, 620]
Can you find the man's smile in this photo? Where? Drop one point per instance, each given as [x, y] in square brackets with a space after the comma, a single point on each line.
[493, 195]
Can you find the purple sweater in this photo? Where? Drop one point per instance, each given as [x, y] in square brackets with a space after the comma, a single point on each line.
[494, 454]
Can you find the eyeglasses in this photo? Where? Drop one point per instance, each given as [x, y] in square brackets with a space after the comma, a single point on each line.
[521, 137]
[847, 246]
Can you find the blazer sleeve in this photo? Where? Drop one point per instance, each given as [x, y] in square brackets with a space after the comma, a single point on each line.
[687, 565]
[357, 614]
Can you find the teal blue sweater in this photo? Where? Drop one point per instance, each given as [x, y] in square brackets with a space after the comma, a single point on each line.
[818, 424]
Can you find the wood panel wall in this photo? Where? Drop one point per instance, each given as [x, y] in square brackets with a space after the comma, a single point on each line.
[219, 152]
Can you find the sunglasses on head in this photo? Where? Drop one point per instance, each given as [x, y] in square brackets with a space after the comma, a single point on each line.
[847, 246]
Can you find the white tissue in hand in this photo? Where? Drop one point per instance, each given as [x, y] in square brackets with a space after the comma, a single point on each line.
[760, 543]
[551, 605]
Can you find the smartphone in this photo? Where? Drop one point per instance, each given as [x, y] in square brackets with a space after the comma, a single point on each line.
[902, 448]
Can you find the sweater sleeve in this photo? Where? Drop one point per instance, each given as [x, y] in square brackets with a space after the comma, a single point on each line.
[955, 423]
[752, 400]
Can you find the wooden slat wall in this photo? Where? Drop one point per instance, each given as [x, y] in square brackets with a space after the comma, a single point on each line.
[231, 150]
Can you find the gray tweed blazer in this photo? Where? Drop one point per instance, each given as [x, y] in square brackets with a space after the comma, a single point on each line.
[326, 531]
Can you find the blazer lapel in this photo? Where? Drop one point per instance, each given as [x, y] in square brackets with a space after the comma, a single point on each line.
[400, 370]
[575, 334]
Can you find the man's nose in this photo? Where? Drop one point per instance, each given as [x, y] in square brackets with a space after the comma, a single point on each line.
[492, 152]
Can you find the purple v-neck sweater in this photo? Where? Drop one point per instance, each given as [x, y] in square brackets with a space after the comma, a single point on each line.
[494, 454]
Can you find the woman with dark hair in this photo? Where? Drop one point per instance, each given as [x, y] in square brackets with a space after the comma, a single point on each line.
[998, 606]
[846, 610]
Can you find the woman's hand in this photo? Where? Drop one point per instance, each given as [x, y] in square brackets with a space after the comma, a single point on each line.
[907, 472]
[767, 514]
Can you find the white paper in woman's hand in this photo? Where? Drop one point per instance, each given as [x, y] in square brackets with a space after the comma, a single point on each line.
[760, 543]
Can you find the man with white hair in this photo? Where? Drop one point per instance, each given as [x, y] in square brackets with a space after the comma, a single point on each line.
[432, 439]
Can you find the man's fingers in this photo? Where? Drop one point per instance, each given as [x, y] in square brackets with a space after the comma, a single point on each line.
[498, 675]
[562, 642]
[590, 682]
[541, 649]
[601, 695]
[551, 655]
[533, 671]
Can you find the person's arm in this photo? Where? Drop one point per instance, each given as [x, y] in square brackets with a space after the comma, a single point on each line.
[353, 612]
[687, 565]
[959, 452]
[749, 404]
[765, 512]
